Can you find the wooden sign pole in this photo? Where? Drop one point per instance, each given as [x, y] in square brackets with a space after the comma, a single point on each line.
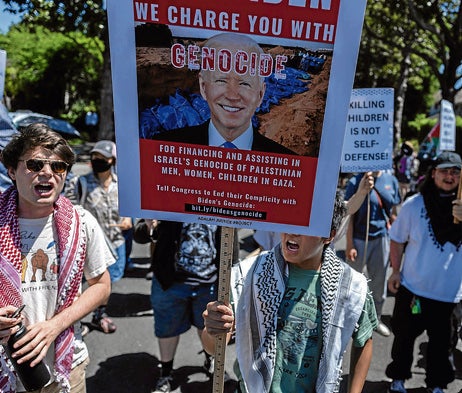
[224, 278]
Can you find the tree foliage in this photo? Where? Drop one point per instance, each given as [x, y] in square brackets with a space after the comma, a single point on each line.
[68, 17]
[87, 17]
[387, 60]
[439, 29]
[414, 46]
[51, 72]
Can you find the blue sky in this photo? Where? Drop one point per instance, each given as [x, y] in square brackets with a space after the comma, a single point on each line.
[6, 19]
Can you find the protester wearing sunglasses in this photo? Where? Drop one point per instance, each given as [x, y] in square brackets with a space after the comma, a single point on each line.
[39, 175]
[37, 164]
[46, 246]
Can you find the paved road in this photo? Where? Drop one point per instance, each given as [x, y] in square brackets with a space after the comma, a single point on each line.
[126, 361]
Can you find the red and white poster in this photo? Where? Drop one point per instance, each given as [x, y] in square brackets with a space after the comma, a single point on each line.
[271, 77]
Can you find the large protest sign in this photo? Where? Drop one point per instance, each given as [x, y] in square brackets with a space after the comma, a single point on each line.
[161, 59]
[368, 143]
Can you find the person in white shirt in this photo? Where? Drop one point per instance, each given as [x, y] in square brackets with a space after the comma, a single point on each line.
[427, 282]
[46, 246]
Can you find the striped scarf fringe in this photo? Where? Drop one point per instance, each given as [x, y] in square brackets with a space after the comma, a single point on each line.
[72, 250]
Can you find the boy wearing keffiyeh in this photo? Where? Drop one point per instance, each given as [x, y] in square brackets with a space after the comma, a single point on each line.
[296, 308]
[46, 245]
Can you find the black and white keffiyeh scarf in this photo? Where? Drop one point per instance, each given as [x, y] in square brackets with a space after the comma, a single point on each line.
[262, 291]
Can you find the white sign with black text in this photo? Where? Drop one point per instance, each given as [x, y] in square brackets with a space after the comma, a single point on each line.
[368, 143]
[2, 71]
[447, 127]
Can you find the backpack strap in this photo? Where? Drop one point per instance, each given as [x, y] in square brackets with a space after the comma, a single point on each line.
[384, 212]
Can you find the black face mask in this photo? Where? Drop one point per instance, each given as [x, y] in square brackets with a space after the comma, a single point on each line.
[99, 165]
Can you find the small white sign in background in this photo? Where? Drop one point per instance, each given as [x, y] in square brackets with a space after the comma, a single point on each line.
[2, 72]
[368, 143]
[447, 127]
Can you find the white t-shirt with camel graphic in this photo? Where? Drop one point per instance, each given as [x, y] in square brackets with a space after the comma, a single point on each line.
[40, 266]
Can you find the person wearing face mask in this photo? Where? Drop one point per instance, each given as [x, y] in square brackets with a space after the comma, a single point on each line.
[98, 193]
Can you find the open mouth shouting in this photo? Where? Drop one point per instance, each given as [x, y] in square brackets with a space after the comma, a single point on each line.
[43, 189]
[303, 251]
[292, 246]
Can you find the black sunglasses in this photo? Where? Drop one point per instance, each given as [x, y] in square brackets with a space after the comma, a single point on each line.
[36, 165]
